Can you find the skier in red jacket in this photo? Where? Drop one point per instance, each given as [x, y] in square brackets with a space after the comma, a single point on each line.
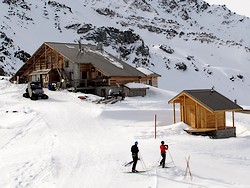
[163, 149]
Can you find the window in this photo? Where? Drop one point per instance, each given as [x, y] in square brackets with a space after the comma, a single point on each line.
[149, 82]
[66, 63]
[49, 59]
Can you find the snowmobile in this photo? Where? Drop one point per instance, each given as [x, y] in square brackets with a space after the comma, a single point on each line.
[34, 91]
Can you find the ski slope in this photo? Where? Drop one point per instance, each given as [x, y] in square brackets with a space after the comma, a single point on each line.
[67, 142]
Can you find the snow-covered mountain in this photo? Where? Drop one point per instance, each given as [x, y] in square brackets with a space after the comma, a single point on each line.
[188, 42]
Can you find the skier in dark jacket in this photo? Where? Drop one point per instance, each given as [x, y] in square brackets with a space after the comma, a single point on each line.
[134, 150]
[163, 149]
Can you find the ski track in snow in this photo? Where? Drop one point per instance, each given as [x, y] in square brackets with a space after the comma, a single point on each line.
[23, 166]
[43, 144]
[27, 171]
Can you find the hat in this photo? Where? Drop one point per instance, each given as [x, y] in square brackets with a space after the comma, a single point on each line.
[136, 142]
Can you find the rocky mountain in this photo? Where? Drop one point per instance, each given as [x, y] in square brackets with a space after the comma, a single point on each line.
[190, 43]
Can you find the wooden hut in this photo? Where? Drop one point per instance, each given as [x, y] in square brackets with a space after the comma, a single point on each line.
[205, 111]
[135, 89]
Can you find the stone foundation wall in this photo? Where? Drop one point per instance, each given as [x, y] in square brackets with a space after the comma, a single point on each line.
[226, 133]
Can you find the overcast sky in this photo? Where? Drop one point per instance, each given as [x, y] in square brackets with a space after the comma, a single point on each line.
[241, 7]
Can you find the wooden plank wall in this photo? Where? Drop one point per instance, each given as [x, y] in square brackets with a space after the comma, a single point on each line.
[123, 80]
[195, 115]
[45, 58]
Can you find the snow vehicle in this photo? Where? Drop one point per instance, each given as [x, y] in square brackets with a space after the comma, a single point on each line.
[34, 91]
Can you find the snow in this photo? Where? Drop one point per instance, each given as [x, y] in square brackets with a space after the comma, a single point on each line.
[145, 71]
[136, 85]
[68, 142]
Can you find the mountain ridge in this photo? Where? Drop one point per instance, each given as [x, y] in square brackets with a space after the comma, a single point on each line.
[186, 40]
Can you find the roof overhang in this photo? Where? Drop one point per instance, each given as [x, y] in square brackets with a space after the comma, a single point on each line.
[42, 71]
[176, 99]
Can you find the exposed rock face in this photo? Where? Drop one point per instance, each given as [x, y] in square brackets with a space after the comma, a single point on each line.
[125, 35]
[2, 73]
[22, 55]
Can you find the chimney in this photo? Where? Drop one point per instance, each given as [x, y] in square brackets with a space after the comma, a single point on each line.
[212, 90]
[80, 46]
[99, 46]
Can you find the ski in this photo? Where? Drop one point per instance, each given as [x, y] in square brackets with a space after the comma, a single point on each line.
[165, 167]
[140, 171]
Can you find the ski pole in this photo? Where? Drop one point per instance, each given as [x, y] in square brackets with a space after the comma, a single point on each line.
[171, 157]
[142, 162]
[129, 163]
[159, 159]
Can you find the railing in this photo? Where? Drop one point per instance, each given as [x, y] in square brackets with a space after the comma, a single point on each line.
[88, 83]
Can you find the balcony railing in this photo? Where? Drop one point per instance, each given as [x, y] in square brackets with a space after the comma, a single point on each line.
[88, 83]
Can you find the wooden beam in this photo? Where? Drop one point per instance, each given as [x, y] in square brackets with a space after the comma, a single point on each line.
[202, 111]
[216, 121]
[185, 109]
[233, 117]
[45, 56]
[174, 113]
[195, 115]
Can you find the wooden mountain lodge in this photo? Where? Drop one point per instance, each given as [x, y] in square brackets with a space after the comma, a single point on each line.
[83, 67]
[205, 111]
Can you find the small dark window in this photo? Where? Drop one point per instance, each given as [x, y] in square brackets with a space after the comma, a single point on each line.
[150, 82]
[66, 63]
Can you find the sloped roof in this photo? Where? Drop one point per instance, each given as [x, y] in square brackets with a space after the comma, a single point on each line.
[107, 63]
[147, 71]
[210, 99]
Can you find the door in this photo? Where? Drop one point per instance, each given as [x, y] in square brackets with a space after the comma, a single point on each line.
[84, 75]
[103, 92]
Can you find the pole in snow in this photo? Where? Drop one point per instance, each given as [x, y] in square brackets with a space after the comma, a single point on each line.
[188, 171]
[155, 125]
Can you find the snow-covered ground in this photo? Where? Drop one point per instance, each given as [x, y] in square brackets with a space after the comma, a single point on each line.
[67, 142]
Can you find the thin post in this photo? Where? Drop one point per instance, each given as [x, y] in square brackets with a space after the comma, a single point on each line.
[185, 110]
[216, 121]
[174, 113]
[155, 124]
[195, 116]
[233, 117]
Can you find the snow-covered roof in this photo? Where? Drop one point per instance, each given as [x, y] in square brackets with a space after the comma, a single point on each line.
[104, 61]
[146, 71]
[136, 85]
